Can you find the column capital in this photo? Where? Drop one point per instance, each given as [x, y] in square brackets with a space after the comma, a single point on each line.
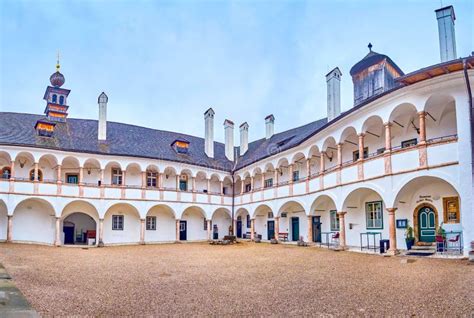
[422, 113]
[387, 124]
[339, 144]
[341, 213]
[361, 135]
[391, 210]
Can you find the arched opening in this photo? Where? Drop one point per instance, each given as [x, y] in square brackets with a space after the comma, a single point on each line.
[3, 220]
[201, 182]
[193, 225]
[432, 193]
[121, 224]
[293, 221]
[247, 182]
[243, 224]
[257, 179]
[365, 213]
[299, 167]
[227, 186]
[61, 100]
[329, 153]
[324, 218]
[184, 182]
[70, 170]
[405, 126]
[47, 165]
[54, 98]
[264, 222]
[79, 224]
[133, 175]
[5, 165]
[440, 117]
[238, 185]
[283, 171]
[113, 174]
[374, 135]
[152, 176]
[34, 220]
[221, 223]
[160, 224]
[268, 176]
[314, 160]
[214, 184]
[91, 172]
[169, 178]
[350, 146]
[24, 162]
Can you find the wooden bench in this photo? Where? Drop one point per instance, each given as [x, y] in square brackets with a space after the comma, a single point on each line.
[283, 236]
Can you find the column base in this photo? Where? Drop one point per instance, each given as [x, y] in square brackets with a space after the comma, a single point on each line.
[393, 252]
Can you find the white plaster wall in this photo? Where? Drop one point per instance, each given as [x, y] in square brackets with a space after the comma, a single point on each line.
[3, 223]
[261, 225]
[195, 225]
[131, 228]
[223, 221]
[165, 226]
[34, 222]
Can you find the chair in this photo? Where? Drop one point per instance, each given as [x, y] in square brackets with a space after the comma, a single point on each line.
[440, 244]
[454, 244]
[335, 239]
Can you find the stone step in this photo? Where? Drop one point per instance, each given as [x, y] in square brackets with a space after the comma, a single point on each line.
[424, 248]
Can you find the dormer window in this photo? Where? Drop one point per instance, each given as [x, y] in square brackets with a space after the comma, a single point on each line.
[61, 100]
[54, 99]
[181, 146]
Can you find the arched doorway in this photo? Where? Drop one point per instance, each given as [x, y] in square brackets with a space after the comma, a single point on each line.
[425, 219]
[221, 223]
[79, 229]
[193, 225]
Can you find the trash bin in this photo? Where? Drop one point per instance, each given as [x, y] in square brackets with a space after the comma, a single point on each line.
[384, 246]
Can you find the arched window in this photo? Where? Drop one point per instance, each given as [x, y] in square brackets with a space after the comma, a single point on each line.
[32, 175]
[6, 173]
[61, 100]
[55, 98]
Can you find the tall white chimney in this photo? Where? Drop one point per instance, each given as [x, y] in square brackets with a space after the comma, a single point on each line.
[209, 132]
[333, 80]
[244, 138]
[102, 130]
[447, 38]
[269, 126]
[229, 139]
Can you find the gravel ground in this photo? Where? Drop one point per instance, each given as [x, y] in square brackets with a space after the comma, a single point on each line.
[245, 279]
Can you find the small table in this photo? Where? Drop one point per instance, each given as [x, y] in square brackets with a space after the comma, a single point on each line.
[367, 237]
[326, 235]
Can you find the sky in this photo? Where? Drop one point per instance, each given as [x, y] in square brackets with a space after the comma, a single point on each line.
[164, 63]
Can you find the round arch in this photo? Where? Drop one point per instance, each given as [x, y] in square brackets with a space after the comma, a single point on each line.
[221, 223]
[121, 224]
[3, 220]
[193, 224]
[161, 224]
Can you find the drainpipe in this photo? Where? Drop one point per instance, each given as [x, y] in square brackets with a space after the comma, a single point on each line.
[233, 201]
[469, 95]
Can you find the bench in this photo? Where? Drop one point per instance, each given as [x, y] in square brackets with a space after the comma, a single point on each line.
[283, 236]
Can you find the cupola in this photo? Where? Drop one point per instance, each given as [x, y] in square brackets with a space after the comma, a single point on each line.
[373, 75]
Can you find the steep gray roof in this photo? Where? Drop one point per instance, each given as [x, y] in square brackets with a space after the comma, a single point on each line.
[80, 135]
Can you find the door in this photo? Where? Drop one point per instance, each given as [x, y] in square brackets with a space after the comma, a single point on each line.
[316, 229]
[239, 228]
[295, 229]
[426, 224]
[68, 234]
[270, 230]
[183, 230]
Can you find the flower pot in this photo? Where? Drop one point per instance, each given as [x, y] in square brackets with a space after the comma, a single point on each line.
[410, 243]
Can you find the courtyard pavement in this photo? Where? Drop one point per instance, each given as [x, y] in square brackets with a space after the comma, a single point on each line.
[245, 279]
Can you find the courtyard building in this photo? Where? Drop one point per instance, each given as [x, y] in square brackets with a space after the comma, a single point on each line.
[401, 156]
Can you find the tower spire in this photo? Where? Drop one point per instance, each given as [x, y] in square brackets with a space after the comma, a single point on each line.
[57, 64]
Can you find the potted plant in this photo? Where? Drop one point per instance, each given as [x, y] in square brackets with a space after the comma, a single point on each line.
[409, 238]
[440, 238]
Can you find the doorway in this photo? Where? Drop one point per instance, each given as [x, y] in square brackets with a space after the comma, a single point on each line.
[316, 229]
[79, 229]
[239, 227]
[270, 230]
[295, 228]
[426, 224]
[183, 230]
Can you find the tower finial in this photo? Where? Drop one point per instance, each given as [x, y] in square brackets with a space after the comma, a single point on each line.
[370, 47]
[57, 64]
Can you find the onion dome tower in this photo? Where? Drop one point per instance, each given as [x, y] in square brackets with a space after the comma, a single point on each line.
[373, 75]
[56, 104]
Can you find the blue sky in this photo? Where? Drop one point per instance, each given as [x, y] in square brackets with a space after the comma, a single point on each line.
[163, 63]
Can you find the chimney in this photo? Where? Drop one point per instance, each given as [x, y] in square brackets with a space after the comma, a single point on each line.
[102, 130]
[244, 138]
[209, 132]
[229, 139]
[447, 38]
[269, 126]
[333, 80]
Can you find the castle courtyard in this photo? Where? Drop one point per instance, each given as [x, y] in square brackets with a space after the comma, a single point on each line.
[246, 279]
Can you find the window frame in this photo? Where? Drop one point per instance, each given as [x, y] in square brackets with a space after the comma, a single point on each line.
[151, 179]
[248, 188]
[356, 155]
[409, 143]
[446, 201]
[32, 175]
[334, 221]
[118, 222]
[248, 221]
[268, 183]
[71, 175]
[372, 213]
[116, 176]
[296, 175]
[4, 175]
[150, 223]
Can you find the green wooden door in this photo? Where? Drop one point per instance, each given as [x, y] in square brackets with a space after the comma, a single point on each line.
[295, 228]
[426, 224]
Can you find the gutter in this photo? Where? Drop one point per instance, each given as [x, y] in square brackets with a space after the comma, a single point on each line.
[469, 95]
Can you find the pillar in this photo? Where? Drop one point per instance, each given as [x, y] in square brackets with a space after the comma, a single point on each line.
[81, 175]
[101, 232]
[290, 167]
[193, 184]
[35, 178]
[310, 228]
[252, 229]
[12, 170]
[276, 176]
[124, 174]
[177, 230]
[57, 240]
[209, 185]
[251, 183]
[9, 228]
[321, 163]
[102, 173]
[144, 180]
[160, 180]
[242, 186]
[177, 183]
[209, 230]
[222, 187]
[361, 146]
[277, 227]
[339, 154]
[392, 231]
[142, 231]
[308, 167]
[342, 230]
[388, 137]
[422, 119]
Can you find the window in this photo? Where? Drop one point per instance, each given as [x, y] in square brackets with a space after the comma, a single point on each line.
[6, 173]
[248, 221]
[183, 185]
[409, 143]
[32, 175]
[72, 178]
[205, 224]
[54, 99]
[355, 154]
[296, 175]
[116, 176]
[61, 100]
[117, 222]
[270, 215]
[380, 151]
[268, 183]
[284, 214]
[151, 223]
[451, 210]
[248, 187]
[151, 178]
[334, 220]
[374, 215]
